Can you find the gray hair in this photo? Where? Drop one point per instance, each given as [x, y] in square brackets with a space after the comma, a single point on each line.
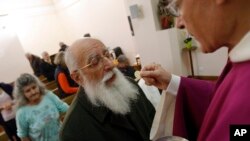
[70, 60]
[22, 81]
[59, 59]
[44, 53]
[122, 59]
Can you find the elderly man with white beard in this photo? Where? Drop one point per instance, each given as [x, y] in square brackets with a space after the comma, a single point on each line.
[108, 106]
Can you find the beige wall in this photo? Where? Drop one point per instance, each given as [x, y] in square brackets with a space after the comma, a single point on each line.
[166, 46]
[40, 33]
[38, 29]
[30, 26]
[209, 64]
[40, 25]
[13, 61]
[103, 19]
[154, 45]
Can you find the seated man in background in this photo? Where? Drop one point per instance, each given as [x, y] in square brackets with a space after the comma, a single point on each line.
[63, 46]
[124, 67]
[35, 63]
[46, 58]
[87, 35]
[108, 107]
[47, 67]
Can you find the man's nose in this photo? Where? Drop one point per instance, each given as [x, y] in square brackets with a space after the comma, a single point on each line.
[179, 23]
[107, 63]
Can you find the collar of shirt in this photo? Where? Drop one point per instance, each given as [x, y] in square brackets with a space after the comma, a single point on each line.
[241, 52]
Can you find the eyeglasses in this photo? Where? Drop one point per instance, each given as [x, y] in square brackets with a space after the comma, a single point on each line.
[173, 8]
[95, 61]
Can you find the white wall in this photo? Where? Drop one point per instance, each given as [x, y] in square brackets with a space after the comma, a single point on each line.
[34, 28]
[13, 61]
[165, 46]
[103, 19]
[209, 64]
[154, 45]
[38, 29]
[40, 25]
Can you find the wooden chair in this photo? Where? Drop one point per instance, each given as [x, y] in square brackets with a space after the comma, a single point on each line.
[3, 136]
[69, 99]
[51, 85]
[56, 91]
[43, 79]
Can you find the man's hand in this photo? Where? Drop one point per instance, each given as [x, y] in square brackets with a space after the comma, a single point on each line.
[154, 74]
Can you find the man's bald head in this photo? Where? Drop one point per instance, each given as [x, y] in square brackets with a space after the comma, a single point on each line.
[75, 53]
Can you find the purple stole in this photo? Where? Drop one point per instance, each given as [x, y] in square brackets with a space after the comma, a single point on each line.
[204, 110]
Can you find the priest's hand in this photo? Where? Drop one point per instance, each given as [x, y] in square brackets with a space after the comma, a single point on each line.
[154, 74]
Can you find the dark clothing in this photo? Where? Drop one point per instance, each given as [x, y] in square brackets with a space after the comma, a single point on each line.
[63, 48]
[11, 129]
[7, 88]
[48, 70]
[35, 63]
[117, 51]
[128, 71]
[86, 122]
[9, 126]
[71, 82]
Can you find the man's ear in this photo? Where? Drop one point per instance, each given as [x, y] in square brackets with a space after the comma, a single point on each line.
[77, 78]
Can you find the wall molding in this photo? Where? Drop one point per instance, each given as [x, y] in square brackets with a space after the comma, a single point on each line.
[63, 4]
[204, 77]
[33, 11]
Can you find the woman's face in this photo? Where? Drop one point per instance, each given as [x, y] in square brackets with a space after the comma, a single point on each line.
[32, 93]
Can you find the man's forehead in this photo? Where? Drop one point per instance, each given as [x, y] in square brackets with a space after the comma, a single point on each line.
[92, 50]
[92, 43]
[97, 48]
[84, 45]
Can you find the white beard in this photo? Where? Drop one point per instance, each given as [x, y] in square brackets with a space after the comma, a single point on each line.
[117, 97]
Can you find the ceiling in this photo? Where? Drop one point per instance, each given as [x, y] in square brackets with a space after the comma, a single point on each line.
[7, 6]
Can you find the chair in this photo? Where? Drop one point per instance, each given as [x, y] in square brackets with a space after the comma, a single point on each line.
[69, 99]
[51, 85]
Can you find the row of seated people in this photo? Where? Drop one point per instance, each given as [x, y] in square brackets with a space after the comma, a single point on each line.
[55, 70]
[46, 65]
